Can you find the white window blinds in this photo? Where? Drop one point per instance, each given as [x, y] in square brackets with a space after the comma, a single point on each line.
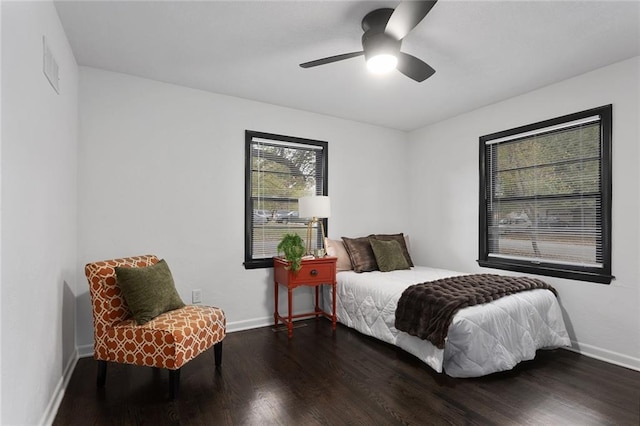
[544, 196]
[280, 169]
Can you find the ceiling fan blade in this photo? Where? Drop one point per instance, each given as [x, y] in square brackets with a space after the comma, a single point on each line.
[413, 67]
[407, 15]
[331, 59]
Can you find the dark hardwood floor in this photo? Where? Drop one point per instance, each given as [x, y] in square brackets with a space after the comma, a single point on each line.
[347, 378]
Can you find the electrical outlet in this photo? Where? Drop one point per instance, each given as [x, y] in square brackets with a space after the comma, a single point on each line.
[196, 296]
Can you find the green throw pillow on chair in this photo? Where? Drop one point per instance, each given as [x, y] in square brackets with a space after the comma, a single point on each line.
[148, 291]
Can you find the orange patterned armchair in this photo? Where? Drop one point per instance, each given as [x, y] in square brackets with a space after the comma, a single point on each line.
[169, 340]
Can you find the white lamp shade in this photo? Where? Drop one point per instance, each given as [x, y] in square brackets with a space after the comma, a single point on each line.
[314, 206]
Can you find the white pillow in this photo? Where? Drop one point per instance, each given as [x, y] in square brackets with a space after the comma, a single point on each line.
[335, 248]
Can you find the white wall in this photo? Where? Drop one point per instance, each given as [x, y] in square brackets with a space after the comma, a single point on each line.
[39, 220]
[0, 207]
[603, 320]
[161, 170]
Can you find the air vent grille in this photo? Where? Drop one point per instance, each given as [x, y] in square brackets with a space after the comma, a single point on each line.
[50, 66]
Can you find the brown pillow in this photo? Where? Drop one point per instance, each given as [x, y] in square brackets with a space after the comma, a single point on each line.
[361, 254]
[335, 248]
[395, 237]
[389, 255]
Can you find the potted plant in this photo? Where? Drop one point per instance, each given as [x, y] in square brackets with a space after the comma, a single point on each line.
[293, 248]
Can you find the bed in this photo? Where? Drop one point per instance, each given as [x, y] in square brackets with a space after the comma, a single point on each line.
[481, 340]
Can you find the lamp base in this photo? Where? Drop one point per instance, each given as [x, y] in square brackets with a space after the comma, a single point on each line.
[310, 234]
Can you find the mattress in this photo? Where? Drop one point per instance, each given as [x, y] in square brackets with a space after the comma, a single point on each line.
[481, 340]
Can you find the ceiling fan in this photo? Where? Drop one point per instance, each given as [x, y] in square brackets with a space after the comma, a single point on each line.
[384, 30]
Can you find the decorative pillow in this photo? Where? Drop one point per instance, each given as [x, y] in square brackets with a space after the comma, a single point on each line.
[361, 254]
[389, 255]
[148, 291]
[400, 238]
[335, 248]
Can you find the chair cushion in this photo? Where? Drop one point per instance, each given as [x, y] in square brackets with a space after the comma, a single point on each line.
[170, 340]
[148, 291]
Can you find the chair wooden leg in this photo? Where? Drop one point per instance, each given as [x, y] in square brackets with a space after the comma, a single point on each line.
[174, 383]
[102, 373]
[217, 354]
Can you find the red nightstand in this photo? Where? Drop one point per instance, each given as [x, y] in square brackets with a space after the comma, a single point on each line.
[313, 273]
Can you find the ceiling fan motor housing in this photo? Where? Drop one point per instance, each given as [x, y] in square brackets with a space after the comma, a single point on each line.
[378, 44]
[374, 40]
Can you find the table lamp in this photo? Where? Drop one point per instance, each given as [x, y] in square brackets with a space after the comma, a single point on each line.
[314, 207]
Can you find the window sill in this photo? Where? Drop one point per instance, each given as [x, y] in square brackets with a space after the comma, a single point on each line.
[547, 270]
[259, 263]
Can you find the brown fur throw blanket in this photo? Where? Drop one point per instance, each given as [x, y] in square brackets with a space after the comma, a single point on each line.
[426, 310]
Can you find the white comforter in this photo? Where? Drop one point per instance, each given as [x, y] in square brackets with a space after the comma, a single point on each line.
[482, 339]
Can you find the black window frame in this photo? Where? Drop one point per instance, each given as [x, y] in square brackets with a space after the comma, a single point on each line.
[602, 274]
[249, 261]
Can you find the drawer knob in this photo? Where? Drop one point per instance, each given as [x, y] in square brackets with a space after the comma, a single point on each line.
[314, 272]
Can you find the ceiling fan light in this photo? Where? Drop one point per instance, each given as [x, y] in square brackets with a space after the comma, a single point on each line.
[381, 64]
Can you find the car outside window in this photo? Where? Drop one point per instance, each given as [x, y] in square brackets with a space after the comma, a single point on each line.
[279, 170]
[545, 197]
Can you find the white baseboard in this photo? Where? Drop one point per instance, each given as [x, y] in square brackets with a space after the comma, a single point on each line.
[581, 348]
[85, 350]
[50, 412]
[254, 323]
[605, 355]
[249, 324]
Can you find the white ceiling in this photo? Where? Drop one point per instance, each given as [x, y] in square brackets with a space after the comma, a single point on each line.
[483, 51]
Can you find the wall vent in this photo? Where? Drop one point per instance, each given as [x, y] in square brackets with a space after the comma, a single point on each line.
[50, 66]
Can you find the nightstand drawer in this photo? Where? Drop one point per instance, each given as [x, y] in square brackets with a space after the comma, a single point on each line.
[315, 272]
[311, 272]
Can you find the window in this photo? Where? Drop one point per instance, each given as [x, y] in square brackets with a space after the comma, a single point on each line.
[545, 197]
[278, 171]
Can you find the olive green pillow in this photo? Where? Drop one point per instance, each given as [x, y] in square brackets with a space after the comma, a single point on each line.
[148, 291]
[389, 255]
[400, 238]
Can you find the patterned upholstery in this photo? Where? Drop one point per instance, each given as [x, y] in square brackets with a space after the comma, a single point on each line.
[168, 341]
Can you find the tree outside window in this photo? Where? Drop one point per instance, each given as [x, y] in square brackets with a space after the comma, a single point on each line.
[545, 197]
[279, 170]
